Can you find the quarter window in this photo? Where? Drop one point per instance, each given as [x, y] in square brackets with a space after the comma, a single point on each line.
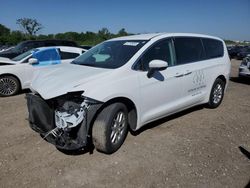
[68, 55]
[188, 49]
[161, 51]
[213, 48]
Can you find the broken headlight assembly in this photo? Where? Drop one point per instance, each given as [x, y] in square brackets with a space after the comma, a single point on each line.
[71, 110]
[70, 114]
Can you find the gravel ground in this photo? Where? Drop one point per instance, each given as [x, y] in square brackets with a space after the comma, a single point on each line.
[195, 148]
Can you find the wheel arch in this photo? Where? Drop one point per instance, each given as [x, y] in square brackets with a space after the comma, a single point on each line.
[9, 74]
[210, 86]
[223, 78]
[132, 110]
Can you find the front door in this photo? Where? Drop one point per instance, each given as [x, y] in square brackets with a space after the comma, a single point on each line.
[160, 94]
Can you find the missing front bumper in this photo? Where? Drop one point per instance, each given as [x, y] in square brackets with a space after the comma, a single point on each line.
[42, 120]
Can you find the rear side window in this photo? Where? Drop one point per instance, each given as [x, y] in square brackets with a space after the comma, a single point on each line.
[188, 49]
[28, 46]
[50, 43]
[68, 55]
[68, 43]
[37, 44]
[213, 48]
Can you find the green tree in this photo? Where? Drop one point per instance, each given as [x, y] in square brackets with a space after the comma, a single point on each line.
[4, 30]
[74, 36]
[60, 36]
[4, 33]
[104, 34]
[30, 26]
[16, 37]
[122, 32]
[90, 38]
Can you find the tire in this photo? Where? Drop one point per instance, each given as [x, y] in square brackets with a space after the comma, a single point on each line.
[9, 85]
[217, 93]
[110, 128]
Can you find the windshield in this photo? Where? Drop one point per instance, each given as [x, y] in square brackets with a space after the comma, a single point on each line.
[18, 48]
[110, 54]
[24, 55]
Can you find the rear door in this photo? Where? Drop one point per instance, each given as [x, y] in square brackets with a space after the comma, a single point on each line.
[190, 55]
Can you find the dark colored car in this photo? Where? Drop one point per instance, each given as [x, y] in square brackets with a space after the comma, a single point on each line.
[28, 45]
[86, 47]
[243, 53]
[4, 47]
[233, 51]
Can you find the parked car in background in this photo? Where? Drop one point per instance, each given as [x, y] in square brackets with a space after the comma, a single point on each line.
[234, 50]
[16, 74]
[125, 83]
[244, 69]
[30, 44]
[87, 47]
[243, 53]
[5, 48]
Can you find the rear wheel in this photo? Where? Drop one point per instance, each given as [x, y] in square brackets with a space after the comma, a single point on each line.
[110, 128]
[217, 93]
[9, 86]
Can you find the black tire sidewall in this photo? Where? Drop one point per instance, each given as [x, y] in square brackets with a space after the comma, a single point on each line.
[118, 107]
[211, 103]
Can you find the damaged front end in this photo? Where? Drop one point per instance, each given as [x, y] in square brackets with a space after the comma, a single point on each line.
[63, 121]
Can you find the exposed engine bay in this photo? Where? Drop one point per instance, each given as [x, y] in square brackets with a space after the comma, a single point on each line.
[70, 114]
[63, 121]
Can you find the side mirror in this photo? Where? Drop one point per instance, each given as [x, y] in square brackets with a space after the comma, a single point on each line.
[156, 65]
[33, 61]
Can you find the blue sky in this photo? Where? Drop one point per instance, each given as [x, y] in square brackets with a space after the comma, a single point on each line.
[228, 19]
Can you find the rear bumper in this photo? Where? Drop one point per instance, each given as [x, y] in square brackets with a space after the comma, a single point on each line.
[42, 120]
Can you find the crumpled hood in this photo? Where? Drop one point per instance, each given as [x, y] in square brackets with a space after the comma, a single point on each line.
[60, 79]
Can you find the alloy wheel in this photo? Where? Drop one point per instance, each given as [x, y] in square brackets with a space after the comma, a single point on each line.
[8, 86]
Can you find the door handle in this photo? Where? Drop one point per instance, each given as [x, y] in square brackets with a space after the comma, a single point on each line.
[179, 75]
[188, 73]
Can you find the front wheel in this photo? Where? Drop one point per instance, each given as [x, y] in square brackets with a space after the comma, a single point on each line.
[9, 86]
[110, 128]
[217, 93]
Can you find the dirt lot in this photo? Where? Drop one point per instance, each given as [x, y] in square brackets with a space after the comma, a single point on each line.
[195, 148]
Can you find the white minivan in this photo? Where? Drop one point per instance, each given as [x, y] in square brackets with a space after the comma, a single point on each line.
[123, 84]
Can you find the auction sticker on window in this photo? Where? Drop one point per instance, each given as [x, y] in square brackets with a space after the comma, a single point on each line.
[131, 43]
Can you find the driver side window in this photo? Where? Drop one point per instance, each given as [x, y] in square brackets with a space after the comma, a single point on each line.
[161, 51]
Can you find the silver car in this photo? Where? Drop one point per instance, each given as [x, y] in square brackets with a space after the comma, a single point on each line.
[244, 69]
